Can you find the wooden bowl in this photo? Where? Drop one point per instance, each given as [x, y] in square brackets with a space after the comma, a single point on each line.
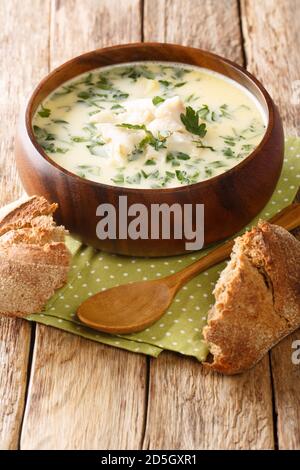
[231, 199]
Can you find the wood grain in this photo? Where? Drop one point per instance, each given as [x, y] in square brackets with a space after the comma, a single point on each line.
[286, 380]
[273, 55]
[207, 24]
[272, 41]
[203, 410]
[21, 60]
[194, 396]
[14, 352]
[78, 28]
[83, 395]
[21, 68]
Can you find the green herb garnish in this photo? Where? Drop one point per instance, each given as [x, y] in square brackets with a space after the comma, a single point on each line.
[85, 95]
[182, 156]
[165, 83]
[50, 147]
[247, 147]
[157, 100]
[201, 145]
[132, 126]
[156, 143]
[173, 157]
[208, 172]
[96, 111]
[181, 175]
[44, 112]
[135, 179]
[93, 170]
[41, 134]
[224, 111]
[179, 72]
[59, 121]
[203, 112]
[190, 121]
[150, 161]
[118, 179]
[120, 95]
[116, 106]
[217, 164]
[228, 152]
[64, 90]
[136, 153]
[79, 139]
[103, 83]
[88, 78]
[170, 174]
[136, 72]
[96, 148]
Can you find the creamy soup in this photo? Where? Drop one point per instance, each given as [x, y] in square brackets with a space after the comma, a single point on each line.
[149, 125]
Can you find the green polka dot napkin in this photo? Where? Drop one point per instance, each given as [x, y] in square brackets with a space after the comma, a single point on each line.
[180, 328]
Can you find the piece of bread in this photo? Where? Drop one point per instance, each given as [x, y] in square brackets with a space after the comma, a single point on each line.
[34, 260]
[257, 299]
[21, 213]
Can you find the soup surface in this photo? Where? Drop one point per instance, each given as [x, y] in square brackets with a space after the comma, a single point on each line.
[149, 125]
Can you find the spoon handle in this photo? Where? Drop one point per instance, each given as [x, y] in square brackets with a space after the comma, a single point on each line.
[288, 218]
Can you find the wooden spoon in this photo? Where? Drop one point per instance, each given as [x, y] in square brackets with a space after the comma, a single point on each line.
[135, 306]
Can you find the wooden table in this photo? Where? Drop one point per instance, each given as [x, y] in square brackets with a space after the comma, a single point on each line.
[58, 391]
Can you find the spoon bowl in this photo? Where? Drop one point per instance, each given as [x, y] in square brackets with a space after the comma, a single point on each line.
[127, 308]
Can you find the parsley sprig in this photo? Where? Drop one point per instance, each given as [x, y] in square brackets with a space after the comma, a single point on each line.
[190, 121]
[149, 139]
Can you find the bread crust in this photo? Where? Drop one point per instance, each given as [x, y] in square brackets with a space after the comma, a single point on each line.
[34, 259]
[21, 213]
[257, 299]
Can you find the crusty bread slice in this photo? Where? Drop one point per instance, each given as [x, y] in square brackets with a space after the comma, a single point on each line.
[257, 299]
[21, 214]
[34, 260]
[34, 235]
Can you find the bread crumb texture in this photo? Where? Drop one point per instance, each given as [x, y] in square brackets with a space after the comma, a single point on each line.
[34, 260]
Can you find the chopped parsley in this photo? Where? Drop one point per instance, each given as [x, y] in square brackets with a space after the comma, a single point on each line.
[157, 100]
[190, 121]
[44, 112]
[103, 90]
[150, 162]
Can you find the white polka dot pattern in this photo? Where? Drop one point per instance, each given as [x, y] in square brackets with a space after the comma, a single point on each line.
[180, 328]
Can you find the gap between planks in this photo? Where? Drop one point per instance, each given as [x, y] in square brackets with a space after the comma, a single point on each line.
[203, 410]
[90, 396]
[190, 392]
[272, 39]
[16, 19]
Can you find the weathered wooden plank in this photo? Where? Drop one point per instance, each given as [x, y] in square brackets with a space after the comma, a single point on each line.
[14, 351]
[272, 39]
[16, 20]
[78, 27]
[207, 24]
[273, 55]
[189, 408]
[19, 64]
[286, 379]
[83, 395]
